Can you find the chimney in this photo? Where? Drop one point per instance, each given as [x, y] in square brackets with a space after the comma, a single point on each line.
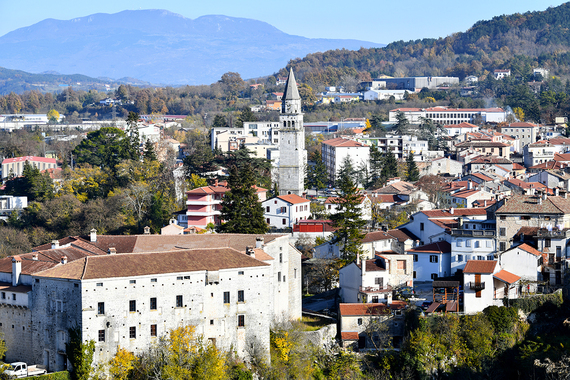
[216, 182]
[544, 195]
[556, 192]
[469, 185]
[485, 204]
[112, 251]
[147, 230]
[363, 266]
[16, 270]
[54, 244]
[93, 235]
[259, 242]
[64, 259]
[35, 257]
[451, 210]
[250, 251]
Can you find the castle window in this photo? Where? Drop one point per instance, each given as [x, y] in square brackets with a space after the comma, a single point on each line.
[179, 301]
[241, 320]
[101, 335]
[152, 330]
[101, 308]
[153, 303]
[132, 306]
[226, 297]
[133, 332]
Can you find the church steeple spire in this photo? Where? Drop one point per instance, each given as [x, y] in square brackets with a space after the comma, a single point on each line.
[291, 101]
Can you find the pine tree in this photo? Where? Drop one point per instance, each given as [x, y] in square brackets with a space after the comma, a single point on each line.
[390, 168]
[346, 172]
[376, 163]
[245, 116]
[149, 153]
[413, 171]
[348, 221]
[241, 209]
[219, 121]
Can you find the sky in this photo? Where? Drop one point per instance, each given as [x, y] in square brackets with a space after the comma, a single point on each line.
[379, 21]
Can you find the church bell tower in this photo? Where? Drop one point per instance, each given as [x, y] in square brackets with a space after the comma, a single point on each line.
[292, 153]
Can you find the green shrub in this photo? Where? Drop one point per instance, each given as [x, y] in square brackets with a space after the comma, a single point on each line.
[530, 304]
[63, 375]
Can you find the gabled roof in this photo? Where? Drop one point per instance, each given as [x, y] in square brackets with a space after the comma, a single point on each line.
[403, 234]
[364, 309]
[344, 143]
[480, 266]
[376, 236]
[438, 214]
[373, 265]
[46, 259]
[527, 248]
[293, 199]
[400, 187]
[482, 176]
[549, 165]
[531, 204]
[130, 265]
[506, 277]
[437, 247]
[461, 125]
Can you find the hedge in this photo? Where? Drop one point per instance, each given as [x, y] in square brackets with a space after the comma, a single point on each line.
[532, 303]
[63, 375]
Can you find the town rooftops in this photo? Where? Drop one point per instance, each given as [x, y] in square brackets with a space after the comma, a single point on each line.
[374, 265]
[549, 165]
[396, 187]
[490, 160]
[461, 125]
[29, 158]
[531, 204]
[480, 266]
[454, 213]
[447, 109]
[376, 235]
[403, 234]
[522, 125]
[362, 309]
[39, 261]
[344, 143]
[527, 248]
[150, 263]
[481, 144]
[482, 176]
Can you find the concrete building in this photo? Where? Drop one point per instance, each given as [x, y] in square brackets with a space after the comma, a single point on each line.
[129, 291]
[292, 153]
[335, 151]
[400, 146]
[525, 132]
[449, 116]
[431, 261]
[414, 84]
[443, 165]
[15, 166]
[384, 94]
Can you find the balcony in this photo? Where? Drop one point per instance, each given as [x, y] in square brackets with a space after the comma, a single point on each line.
[472, 233]
[477, 286]
[375, 289]
[556, 234]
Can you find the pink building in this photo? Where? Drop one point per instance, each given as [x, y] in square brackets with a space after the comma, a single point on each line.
[205, 203]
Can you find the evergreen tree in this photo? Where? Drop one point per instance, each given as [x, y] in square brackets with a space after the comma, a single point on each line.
[402, 123]
[346, 172]
[413, 171]
[241, 209]
[390, 167]
[106, 147]
[245, 115]
[348, 221]
[317, 173]
[376, 163]
[219, 121]
[132, 142]
[35, 185]
[149, 153]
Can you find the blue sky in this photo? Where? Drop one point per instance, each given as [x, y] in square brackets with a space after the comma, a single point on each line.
[378, 21]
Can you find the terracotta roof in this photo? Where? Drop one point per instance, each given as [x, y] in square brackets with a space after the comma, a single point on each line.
[481, 144]
[374, 265]
[531, 204]
[506, 277]
[525, 185]
[46, 259]
[445, 223]
[527, 231]
[461, 125]
[561, 156]
[349, 335]
[482, 176]
[376, 235]
[7, 287]
[490, 160]
[527, 248]
[437, 247]
[518, 166]
[29, 158]
[522, 125]
[549, 165]
[400, 187]
[345, 143]
[465, 193]
[480, 266]
[386, 198]
[355, 309]
[293, 199]
[143, 264]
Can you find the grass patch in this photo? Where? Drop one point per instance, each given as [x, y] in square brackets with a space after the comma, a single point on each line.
[312, 323]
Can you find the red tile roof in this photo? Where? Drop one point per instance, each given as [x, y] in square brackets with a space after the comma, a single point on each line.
[480, 266]
[531, 204]
[529, 249]
[356, 309]
[506, 277]
[142, 264]
[349, 335]
[376, 236]
[374, 265]
[293, 199]
[345, 143]
[402, 234]
[456, 212]
[29, 158]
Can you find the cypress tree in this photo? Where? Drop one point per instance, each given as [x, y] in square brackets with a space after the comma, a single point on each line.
[390, 168]
[413, 171]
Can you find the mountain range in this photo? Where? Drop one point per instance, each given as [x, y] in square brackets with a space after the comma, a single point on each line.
[159, 46]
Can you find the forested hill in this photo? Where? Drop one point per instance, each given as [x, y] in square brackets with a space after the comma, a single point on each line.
[518, 42]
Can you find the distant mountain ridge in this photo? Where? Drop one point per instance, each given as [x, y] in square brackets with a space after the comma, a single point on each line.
[159, 46]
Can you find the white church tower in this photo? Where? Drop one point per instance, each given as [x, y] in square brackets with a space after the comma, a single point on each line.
[292, 153]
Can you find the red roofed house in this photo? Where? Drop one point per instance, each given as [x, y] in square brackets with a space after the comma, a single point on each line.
[284, 211]
[15, 166]
[336, 150]
[431, 261]
[460, 129]
[362, 325]
[204, 203]
[486, 284]
[525, 132]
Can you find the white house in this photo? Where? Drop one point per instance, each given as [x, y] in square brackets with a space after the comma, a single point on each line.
[443, 165]
[332, 205]
[384, 94]
[523, 260]
[336, 150]
[431, 261]
[284, 211]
